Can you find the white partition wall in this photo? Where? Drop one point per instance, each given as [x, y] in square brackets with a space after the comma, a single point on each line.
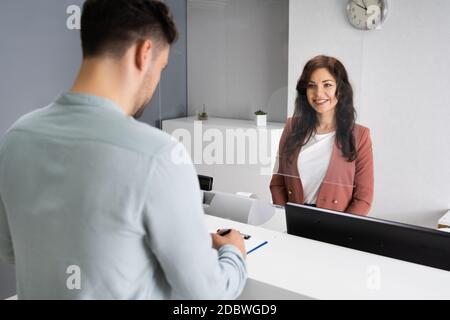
[401, 79]
[236, 153]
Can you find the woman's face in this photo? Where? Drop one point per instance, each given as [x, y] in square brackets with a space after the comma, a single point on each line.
[321, 91]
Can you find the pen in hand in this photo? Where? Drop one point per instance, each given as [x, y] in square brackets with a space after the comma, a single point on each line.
[224, 232]
[229, 237]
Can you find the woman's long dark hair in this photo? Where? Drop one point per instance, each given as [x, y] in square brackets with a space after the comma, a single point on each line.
[305, 119]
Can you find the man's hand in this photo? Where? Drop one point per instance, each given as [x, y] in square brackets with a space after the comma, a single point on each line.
[233, 238]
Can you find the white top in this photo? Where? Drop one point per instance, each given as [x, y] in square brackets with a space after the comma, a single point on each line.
[313, 164]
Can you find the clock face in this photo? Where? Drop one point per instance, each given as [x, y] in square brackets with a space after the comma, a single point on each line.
[366, 14]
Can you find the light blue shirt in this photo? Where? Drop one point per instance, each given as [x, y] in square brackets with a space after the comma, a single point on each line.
[95, 205]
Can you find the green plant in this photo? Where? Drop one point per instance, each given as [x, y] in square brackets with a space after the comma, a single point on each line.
[260, 113]
[203, 115]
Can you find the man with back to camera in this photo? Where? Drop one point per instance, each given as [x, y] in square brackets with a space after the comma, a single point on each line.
[92, 203]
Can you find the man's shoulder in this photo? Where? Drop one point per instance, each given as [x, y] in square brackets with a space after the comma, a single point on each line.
[119, 131]
[149, 140]
[24, 122]
[28, 119]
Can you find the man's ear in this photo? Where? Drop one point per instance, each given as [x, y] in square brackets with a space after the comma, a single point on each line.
[144, 53]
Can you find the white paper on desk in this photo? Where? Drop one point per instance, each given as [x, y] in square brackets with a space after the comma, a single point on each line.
[253, 243]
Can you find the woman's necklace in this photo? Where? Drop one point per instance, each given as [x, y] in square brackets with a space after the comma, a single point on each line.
[327, 131]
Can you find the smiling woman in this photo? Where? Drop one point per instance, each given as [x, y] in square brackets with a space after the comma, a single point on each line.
[325, 159]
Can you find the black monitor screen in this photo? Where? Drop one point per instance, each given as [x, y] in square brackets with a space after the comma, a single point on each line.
[390, 239]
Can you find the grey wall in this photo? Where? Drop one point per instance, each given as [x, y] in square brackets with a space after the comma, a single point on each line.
[170, 99]
[39, 56]
[39, 59]
[238, 57]
[401, 78]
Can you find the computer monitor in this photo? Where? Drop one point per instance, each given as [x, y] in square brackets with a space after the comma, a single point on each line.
[386, 238]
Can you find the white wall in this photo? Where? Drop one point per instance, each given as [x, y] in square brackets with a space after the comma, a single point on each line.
[401, 77]
[238, 57]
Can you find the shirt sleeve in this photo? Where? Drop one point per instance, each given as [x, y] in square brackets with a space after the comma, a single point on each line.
[364, 178]
[278, 185]
[6, 247]
[179, 238]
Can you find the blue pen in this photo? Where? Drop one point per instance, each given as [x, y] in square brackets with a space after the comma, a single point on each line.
[261, 245]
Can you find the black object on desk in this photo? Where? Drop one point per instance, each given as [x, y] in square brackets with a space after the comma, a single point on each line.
[414, 244]
[206, 183]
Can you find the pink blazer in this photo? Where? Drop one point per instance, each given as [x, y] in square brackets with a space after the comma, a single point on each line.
[348, 186]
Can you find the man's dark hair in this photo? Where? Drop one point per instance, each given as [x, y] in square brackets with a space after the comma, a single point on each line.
[112, 26]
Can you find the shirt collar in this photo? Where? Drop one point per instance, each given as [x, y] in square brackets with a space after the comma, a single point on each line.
[82, 99]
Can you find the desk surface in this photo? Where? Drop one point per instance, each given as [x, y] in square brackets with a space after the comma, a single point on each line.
[309, 268]
[324, 271]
